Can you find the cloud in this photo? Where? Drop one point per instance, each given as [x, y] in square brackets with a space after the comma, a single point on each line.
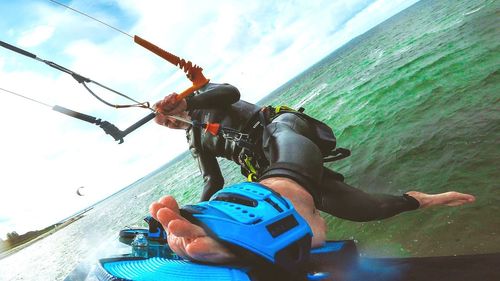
[36, 36]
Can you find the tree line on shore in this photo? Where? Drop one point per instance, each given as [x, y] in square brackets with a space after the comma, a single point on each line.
[14, 239]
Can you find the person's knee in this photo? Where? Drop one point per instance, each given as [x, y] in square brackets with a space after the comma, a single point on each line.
[293, 122]
[290, 152]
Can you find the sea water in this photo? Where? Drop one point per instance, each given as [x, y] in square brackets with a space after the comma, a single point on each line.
[416, 99]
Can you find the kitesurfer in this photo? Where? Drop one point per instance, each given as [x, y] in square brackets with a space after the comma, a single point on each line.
[283, 151]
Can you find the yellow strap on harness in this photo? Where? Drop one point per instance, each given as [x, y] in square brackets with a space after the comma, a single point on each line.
[279, 108]
[252, 176]
[253, 172]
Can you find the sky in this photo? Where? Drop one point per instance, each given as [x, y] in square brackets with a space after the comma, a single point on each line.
[45, 156]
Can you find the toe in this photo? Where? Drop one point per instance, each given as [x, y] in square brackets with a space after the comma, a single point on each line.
[170, 202]
[166, 215]
[154, 208]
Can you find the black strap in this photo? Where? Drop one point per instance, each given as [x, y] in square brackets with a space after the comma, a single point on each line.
[337, 154]
[108, 128]
[261, 270]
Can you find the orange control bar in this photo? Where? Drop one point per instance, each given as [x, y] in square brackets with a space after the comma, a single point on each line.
[193, 72]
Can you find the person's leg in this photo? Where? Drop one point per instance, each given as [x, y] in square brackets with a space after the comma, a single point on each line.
[344, 201]
[291, 153]
[191, 241]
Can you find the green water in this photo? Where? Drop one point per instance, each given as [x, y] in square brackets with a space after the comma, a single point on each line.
[416, 100]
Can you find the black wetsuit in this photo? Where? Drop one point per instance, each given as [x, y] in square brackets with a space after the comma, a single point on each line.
[286, 147]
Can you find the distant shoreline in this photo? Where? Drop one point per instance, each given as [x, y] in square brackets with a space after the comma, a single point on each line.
[9, 247]
[34, 236]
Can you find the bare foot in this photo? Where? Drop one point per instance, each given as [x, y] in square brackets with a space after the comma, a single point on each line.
[450, 198]
[187, 240]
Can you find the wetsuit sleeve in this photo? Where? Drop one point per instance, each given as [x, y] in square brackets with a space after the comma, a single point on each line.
[212, 176]
[214, 96]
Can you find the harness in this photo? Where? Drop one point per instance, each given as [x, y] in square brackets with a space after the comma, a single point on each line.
[252, 159]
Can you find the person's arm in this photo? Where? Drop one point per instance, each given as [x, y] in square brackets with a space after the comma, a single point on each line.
[211, 96]
[214, 96]
[212, 176]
